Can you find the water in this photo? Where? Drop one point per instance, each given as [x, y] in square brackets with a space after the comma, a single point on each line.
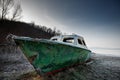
[107, 51]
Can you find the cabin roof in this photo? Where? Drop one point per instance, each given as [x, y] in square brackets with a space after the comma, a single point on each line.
[73, 35]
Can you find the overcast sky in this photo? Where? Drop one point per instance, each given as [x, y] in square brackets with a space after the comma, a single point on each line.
[98, 21]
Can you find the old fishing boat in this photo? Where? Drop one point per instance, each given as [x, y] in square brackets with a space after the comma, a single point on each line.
[57, 53]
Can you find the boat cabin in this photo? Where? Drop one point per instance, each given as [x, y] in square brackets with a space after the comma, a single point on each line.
[71, 39]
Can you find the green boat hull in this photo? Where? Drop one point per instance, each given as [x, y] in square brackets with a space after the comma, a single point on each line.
[47, 56]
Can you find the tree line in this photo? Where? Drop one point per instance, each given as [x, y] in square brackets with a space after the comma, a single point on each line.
[50, 31]
[11, 10]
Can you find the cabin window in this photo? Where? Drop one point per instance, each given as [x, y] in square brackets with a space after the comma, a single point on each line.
[55, 39]
[79, 41]
[68, 40]
[83, 42]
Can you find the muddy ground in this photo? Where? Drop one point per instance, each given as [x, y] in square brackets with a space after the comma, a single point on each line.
[13, 63]
[15, 66]
[101, 68]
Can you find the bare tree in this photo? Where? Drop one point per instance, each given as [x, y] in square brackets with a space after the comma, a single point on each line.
[16, 12]
[6, 7]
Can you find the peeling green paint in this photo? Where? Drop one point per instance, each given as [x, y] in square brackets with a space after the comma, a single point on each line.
[49, 56]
